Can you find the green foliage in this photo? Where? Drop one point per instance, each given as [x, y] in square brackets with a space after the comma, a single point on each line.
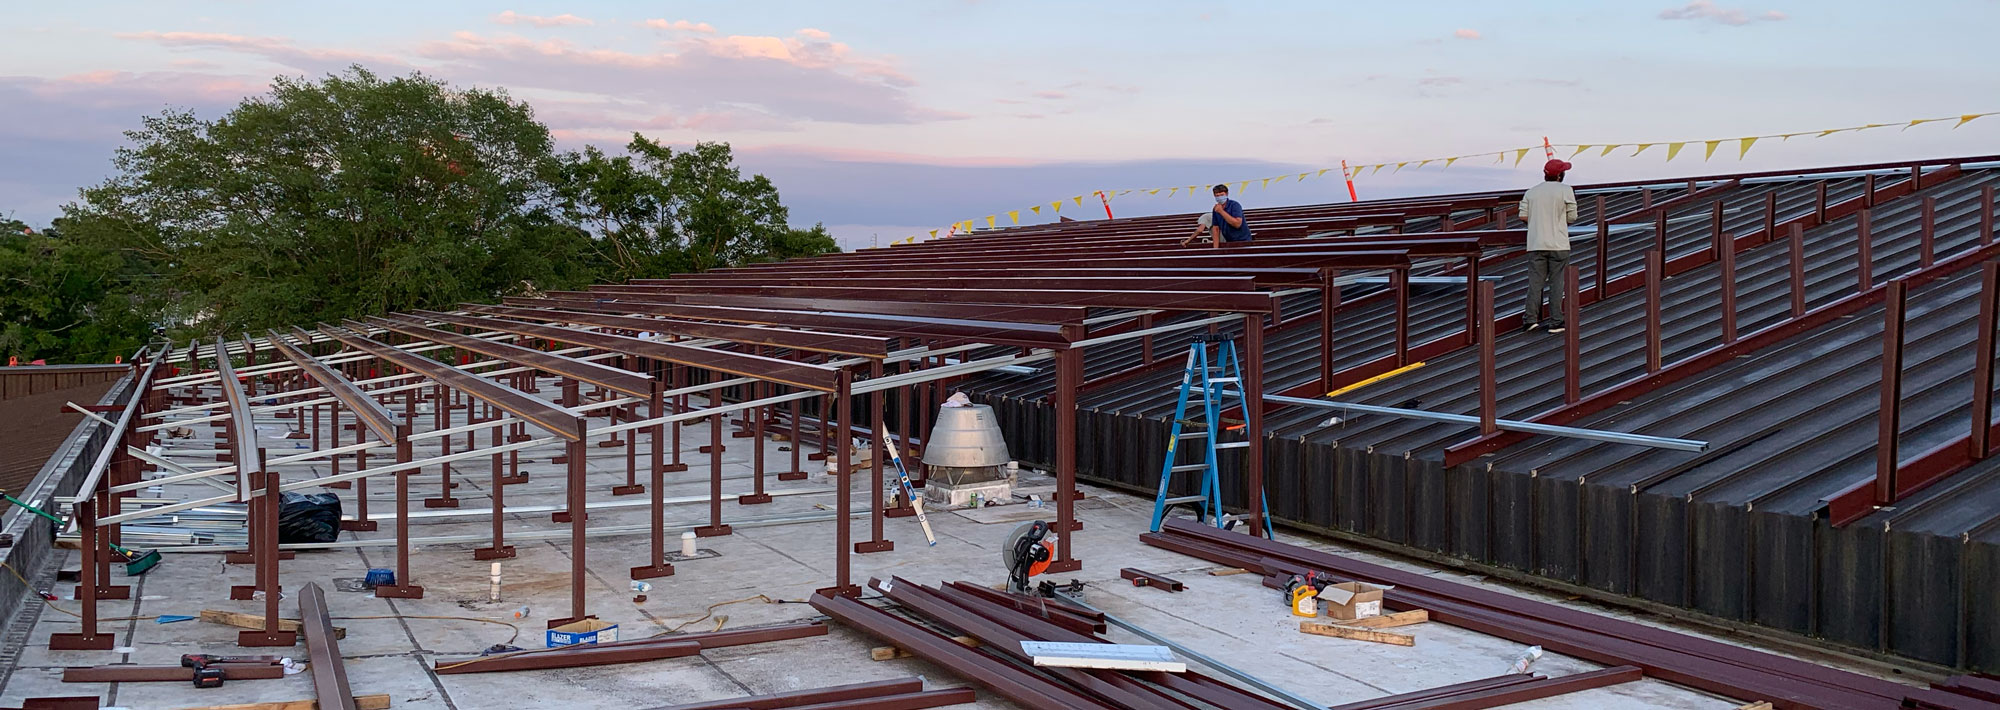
[354, 194]
[64, 301]
[661, 211]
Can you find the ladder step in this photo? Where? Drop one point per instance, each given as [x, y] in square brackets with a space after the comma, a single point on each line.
[1185, 499]
[1230, 445]
[1193, 435]
[1192, 467]
[1212, 379]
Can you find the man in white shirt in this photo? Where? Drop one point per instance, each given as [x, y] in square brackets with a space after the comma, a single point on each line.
[1548, 208]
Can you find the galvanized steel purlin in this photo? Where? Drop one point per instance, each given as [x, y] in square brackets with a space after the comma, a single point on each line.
[815, 341]
[243, 446]
[580, 370]
[788, 372]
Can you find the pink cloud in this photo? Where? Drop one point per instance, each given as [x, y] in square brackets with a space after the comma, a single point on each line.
[276, 49]
[1051, 95]
[780, 78]
[1466, 34]
[679, 26]
[514, 18]
[1708, 10]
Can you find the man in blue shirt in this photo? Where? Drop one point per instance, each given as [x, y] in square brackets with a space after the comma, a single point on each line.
[1229, 219]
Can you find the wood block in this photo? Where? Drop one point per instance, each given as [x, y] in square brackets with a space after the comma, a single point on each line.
[256, 621]
[1390, 621]
[1227, 572]
[1348, 632]
[884, 653]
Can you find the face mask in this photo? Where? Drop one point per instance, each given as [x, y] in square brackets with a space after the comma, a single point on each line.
[1221, 199]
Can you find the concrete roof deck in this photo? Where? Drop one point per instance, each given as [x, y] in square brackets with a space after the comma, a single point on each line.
[1231, 617]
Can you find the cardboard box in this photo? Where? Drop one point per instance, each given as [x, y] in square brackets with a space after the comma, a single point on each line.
[1353, 600]
[590, 631]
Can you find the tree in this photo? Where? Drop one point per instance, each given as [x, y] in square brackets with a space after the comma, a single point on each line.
[64, 301]
[337, 198]
[659, 211]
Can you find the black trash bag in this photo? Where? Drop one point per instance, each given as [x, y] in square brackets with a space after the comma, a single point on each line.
[308, 518]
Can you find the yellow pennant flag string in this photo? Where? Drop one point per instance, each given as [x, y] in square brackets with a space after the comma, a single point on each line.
[1743, 146]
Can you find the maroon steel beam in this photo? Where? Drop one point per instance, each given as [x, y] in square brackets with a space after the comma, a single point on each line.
[567, 657]
[840, 343]
[1733, 671]
[735, 363]
[121, 673]
[329, 672]
[996, 332]
[1602, 270]
[1028, 689]
[1524, 692]
[515, 402]
[796, 698]
[1444, 691]
[848, 300]
[1188, 282]
[1986, 215]
[908, 701]
[1074, 619]
[1142, 578]
[594, 373]
[1115, 688]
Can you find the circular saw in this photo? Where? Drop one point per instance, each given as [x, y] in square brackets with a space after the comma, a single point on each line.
[1027, 553]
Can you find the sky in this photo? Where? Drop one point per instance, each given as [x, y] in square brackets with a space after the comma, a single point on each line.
[886, 119]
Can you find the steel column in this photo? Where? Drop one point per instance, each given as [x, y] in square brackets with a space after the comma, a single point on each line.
[1489, 408]
[1329, 302]
[1865, 262]
[404, 588]
[841, 470]
[1982, 361]
[1798, 261]
[877, 434]
[499, 549]
[1726, 271]
[1889, 418]
[1653, 269]
[1572, 336]
[1603, 269]
[658, 567]
[715, 526]
[1069, 376]
[1399, 280]
[1253, 419]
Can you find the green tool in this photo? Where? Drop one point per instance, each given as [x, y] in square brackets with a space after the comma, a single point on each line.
[136, 563]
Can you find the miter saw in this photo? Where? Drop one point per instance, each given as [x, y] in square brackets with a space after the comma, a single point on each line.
[1027, 553]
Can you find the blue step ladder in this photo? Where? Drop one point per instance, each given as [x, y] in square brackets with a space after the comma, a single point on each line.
[1214, 383]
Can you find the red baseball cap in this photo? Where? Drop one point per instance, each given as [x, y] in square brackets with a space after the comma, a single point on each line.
[1555, 167]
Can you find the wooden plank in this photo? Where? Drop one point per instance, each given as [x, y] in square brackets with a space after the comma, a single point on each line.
[379, 701]
[256, 621]
[1227, 572]
[1347, 632]
[1390, 621]
[884, 653]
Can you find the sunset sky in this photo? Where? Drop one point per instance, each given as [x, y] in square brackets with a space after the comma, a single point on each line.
[892, 118]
